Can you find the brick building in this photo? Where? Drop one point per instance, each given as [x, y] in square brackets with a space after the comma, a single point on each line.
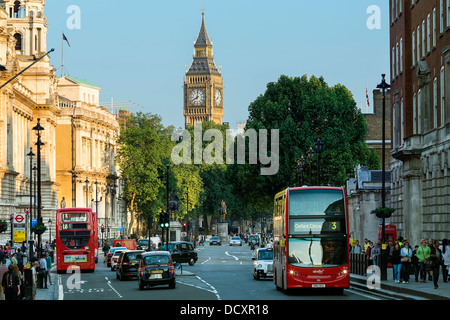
[420, 115]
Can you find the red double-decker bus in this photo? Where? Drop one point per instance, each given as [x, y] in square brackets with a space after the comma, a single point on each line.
[311, 247]
[76, 239]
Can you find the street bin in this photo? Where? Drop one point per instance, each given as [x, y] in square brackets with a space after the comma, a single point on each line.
[40, 281]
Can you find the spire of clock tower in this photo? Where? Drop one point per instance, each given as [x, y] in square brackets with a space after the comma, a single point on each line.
[203, 86]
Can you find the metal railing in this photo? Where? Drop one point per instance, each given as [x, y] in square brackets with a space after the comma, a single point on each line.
[359, 263]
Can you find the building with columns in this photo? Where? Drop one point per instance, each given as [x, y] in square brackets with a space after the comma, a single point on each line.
[420, 115]
[79, 136]
[86, 135]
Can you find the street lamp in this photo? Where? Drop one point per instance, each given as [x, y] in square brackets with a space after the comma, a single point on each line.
[31, 155]
[383, 86]
[310, 153]
[38, 128]
[300, 164]
[50, 227]
[319, 147]
[87, 193]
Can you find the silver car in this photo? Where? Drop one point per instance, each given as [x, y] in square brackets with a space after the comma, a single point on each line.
[263, 263]
[235, 241]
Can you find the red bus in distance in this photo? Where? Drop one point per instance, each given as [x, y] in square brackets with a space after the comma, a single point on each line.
[76, 239]
[311, 244]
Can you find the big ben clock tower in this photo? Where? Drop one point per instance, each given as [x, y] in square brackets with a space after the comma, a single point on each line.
[203, 85]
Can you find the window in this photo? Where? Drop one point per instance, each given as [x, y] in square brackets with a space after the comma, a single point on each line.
[441, 16]
[428, 33]
[397, 64]
[442, 95]
[418, 43]
[435, 104]
[434, 27]
[402, 122]
[401, 55]
[18, 38]
[448, 13]
[419, 111]
[423, 39]
[413, 47]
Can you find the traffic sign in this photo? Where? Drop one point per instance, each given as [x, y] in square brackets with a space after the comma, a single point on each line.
[27, 210]
[19, 219]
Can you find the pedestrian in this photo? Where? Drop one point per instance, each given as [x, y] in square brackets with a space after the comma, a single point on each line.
[11, 284]
[43, 270]
[34, 268]
[396, 263]
[3, 270]
[34, 257]
[406, 255]
[374, 253]
[436, 259]
[14, 259]
[19, 274]
[49, 266]
[445, 249]
[423, 255]
[356, 248]
[415, 263]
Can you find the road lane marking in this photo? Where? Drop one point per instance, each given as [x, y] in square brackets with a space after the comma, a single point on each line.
[60, 289]
[212, 288]
[230, 255]
[109, 284]
[209, 258]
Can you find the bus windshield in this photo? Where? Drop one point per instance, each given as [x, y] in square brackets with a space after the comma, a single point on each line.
[316, 202]
[317, 252]
[74, 217]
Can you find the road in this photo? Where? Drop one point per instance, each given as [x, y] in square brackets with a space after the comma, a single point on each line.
[221, 273]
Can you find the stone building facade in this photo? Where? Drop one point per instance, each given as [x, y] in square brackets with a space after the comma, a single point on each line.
[38, 94]
[420, 109]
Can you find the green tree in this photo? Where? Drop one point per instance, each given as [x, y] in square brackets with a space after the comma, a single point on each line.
[144, 149]
[304, 109]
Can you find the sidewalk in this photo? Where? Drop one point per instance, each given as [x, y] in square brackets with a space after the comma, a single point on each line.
[52, 292]
[411, 291]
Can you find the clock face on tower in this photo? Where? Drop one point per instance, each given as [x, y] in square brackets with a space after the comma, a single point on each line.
[218, 97]
[197, 97]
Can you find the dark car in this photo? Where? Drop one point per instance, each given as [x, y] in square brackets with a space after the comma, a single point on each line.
[182, 252]
[156, 268]
[128, 263]
[215, 240]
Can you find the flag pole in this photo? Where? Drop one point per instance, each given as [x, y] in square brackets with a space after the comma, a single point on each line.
[62, 57]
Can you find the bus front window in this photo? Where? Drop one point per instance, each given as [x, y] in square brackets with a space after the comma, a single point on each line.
[316, 252]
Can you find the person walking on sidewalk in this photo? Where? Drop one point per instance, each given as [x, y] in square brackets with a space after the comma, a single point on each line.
[396, 263]
[436, 259]
[415, 263]
[423, 255]
[43, 270]
[406, 255]
[49, 266]
[445, 249]
[11, 284]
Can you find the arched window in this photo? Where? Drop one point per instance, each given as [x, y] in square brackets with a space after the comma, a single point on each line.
[18, 38]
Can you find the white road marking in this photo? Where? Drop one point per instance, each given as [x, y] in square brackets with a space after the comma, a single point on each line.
[235, 258]
[109, 284]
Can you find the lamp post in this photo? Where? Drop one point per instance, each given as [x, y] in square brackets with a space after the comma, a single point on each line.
[383, 86]
[300, 164]
[38, 128]
[87, 193]
[319, 147]
[50, 227]
[310, 153]
[31, 155]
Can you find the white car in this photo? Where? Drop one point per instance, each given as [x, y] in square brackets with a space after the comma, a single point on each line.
[115, 257]
[235, 241]
[263, 263]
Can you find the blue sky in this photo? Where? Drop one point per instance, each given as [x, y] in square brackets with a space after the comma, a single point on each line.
[137, 50]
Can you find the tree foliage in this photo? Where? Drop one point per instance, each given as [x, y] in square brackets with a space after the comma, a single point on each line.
[304, 109]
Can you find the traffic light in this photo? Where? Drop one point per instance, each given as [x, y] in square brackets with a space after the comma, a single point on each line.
[102, 228]
[164, 221]
[184, 226]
